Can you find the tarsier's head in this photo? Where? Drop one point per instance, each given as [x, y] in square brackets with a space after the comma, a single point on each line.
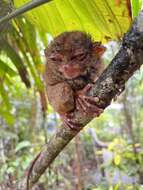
[73, 52]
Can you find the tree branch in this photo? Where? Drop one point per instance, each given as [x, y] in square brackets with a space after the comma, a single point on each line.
[110, 84]
[23, 9]
[96, 141]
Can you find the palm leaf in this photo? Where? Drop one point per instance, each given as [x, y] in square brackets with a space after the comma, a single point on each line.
[6, 69]
[17, 61]
[102, 19]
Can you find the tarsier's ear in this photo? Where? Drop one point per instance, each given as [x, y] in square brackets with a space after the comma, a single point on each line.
[98, 48]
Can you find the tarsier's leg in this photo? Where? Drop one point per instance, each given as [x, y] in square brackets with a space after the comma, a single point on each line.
[88, 104]
[61, 97]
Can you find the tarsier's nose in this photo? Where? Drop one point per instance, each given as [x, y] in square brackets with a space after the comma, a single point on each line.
[65, 66]
[71, 66]
[70, 71]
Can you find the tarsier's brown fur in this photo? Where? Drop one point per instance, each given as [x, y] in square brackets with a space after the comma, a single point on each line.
[73, 60]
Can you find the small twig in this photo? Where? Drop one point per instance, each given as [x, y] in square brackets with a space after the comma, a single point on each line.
[23, 9]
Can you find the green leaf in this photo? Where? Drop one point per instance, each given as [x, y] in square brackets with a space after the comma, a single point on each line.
[117, 159]
[111, 188]
[117, 186]
[4, 95]
[136, 6]
[21, 145]
[10, 169]
[4, 134]
[9, 118]
[28, 32]
[5, 69]
[28, 47]
[17, 61]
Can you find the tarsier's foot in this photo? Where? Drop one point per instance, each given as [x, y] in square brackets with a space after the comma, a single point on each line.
[88, 104]
[68, 120]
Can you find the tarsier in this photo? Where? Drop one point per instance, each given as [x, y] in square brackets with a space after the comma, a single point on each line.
[73, 64]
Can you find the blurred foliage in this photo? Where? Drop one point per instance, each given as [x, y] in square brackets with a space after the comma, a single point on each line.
[24, 127]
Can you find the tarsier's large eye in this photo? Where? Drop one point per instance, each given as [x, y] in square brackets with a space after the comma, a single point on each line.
[80, 56]
[56, 57]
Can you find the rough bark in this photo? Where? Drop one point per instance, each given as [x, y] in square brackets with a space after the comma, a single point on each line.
[108, 86]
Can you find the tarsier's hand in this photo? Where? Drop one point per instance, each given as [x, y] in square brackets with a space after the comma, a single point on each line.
[87, 104]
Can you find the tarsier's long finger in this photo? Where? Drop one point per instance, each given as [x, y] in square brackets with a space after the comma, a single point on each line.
[91, 99]
[72, 125]
[69, 122]
[86, 88]
[68, 116]
[84, 107]
[87, 105]
[93, 110]
[81, 104]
